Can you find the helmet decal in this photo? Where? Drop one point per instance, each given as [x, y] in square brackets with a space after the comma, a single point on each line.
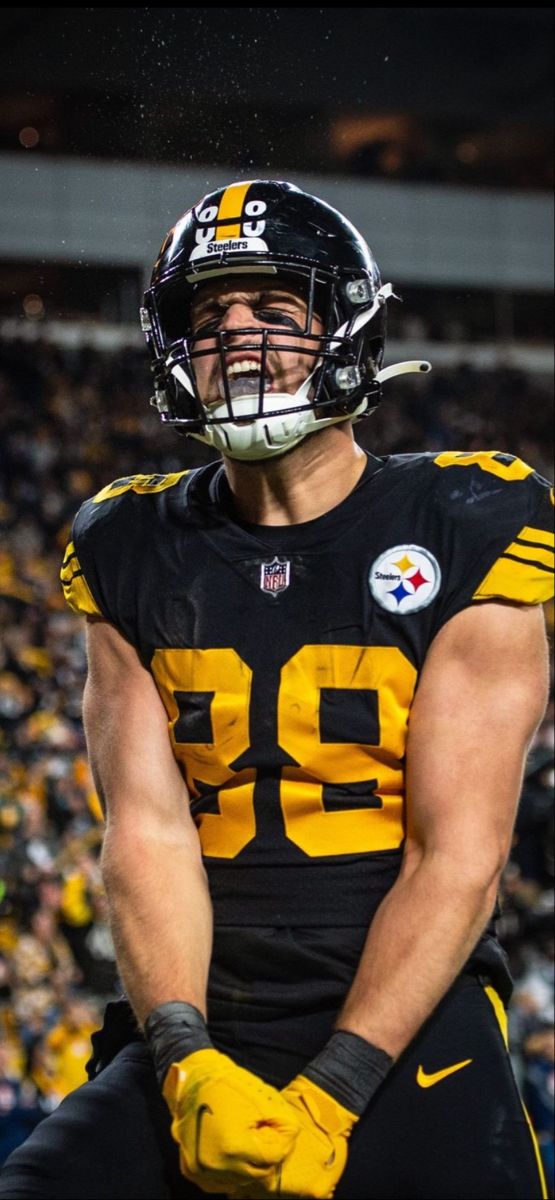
[234, 226]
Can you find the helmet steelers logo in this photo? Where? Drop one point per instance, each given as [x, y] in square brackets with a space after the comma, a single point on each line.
[404, 579]
[233, 226]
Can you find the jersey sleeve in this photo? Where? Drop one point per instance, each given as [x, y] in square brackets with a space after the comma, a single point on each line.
[91, 571]
[76, 589]
[498, 531]
[523, 572]
[109, 539]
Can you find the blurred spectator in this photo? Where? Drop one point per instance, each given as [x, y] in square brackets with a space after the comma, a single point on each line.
[59, 1058]
[43, 968]
[20, 1109]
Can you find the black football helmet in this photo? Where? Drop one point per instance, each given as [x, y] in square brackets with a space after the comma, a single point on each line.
[268, 228]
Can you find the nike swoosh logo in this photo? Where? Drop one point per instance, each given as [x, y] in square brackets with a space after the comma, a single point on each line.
[204, 1108]
[426, 1081]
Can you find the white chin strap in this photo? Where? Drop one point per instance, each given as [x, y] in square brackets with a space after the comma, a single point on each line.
[266, 436]
[249, 438]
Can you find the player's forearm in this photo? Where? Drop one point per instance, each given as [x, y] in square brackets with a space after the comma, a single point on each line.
[161, 915]
[419, 940]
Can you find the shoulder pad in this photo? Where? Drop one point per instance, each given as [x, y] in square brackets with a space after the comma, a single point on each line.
[492, 462]
[91, 560]
[142, 485]
[511, 508]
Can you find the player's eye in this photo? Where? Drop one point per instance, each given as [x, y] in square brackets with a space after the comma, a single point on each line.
[276, 316]
[210, 325]
[210, 321]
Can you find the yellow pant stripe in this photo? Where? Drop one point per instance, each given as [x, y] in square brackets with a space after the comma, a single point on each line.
[537, 1153]
[499, 1010]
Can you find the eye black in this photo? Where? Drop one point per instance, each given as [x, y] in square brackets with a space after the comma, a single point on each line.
[272, 315]
[275, 317]
[210, 326]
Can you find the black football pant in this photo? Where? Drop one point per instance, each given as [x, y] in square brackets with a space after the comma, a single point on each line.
[435, 1129]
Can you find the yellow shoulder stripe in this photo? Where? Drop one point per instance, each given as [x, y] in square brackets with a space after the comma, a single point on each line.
[512, 579]
[529, 534]
[76, 589]
[523, 572]
[532, 554]
[142, 484]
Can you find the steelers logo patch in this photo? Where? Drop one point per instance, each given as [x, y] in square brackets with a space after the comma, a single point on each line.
[404, 579]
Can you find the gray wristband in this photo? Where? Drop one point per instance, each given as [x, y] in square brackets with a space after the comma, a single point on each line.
[172, 1031]
[350, 1069]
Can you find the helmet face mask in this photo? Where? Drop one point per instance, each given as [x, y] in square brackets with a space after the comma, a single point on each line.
[274, 234]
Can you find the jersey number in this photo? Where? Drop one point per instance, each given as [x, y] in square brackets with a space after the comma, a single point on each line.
[227, 679]
[486, 460]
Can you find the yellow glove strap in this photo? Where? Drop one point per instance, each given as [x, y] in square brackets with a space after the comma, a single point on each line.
[326, 1112]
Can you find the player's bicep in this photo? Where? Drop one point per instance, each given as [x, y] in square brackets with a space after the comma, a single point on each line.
[127, 732]
[481, 695]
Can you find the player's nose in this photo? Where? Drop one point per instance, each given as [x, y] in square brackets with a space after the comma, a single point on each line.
[238, 316]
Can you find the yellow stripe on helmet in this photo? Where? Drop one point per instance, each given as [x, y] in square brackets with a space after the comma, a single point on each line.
[231, 208]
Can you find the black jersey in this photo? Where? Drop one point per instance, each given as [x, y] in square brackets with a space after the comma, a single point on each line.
[287, 657]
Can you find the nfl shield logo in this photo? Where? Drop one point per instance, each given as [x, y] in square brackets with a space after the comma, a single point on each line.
[274, 576]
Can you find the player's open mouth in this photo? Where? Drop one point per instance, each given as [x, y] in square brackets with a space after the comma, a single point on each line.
[244, 378]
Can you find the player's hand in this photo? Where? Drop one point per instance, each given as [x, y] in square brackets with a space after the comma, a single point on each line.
[230, 1126]
[328, 1098]
[317, 1160]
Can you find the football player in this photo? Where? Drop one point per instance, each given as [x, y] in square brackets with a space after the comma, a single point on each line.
[313, 678]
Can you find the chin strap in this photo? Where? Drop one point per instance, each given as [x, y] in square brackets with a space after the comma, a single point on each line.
[402, 368]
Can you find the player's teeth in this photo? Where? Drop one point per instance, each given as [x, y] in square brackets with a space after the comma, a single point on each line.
[241, 368]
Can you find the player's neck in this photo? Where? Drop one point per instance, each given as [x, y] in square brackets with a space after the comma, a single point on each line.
[302, 485]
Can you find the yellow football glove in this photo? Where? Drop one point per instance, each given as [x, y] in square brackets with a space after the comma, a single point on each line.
[317, 1160]
[230, 1126]
[353, 1069]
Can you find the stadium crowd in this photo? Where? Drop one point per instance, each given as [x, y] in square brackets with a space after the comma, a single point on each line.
[70, 421]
